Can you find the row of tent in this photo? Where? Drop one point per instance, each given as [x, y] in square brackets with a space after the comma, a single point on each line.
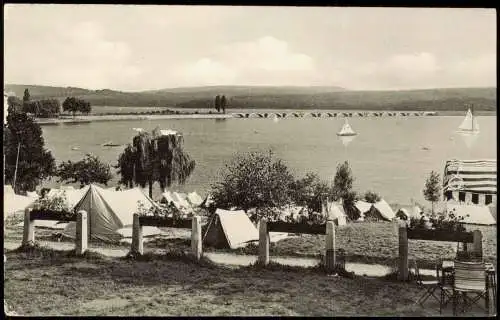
[111, 214]
[110, 211]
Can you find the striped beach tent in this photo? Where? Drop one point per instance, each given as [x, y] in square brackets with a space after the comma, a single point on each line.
[470, 181]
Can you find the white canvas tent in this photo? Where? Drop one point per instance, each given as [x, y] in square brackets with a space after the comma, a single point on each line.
[7, 189]
[110, 211]
[409, 212]
[177, 199]
[337, 214]
[478, 214]
[195, 199]
[363, 207]
[182, 199]
[381, 210]
[72, 196]
[230, 229]
[15, 203]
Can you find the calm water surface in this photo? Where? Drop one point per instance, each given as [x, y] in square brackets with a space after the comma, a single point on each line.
[391, 156]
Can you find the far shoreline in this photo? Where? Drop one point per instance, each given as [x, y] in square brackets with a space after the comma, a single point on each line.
[235, 115]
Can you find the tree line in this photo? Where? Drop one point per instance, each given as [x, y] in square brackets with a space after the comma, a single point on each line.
[48, 108]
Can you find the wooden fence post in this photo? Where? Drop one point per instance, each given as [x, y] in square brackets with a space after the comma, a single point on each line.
[478, 242]
[29, 228]
[263, 243]
[137, 244]
[196, 240]
[403, 252]
[330, 247]
[81, 237]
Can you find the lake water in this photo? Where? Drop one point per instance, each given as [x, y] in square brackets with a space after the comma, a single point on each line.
[391, 156]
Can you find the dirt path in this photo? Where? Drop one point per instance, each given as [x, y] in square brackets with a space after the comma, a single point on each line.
[370, 270]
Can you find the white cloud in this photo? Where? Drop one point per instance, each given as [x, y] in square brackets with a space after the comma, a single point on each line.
[265, 61]
[77, 55]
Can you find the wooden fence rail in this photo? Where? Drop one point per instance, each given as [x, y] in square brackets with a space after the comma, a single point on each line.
[472, 242]
[81, 239]
[194, 224]
[328, 229]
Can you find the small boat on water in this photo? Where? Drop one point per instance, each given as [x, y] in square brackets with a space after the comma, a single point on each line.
[111, 144]
[469, 124]
[75, 148]
[346, 130]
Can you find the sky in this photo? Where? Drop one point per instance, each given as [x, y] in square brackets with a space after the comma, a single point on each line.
[133, 48]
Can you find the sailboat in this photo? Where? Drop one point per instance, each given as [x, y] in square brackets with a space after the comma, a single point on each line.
[346, 130]
[469, 124]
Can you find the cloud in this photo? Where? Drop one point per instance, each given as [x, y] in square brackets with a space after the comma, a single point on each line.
[264, 61]
[77, 55]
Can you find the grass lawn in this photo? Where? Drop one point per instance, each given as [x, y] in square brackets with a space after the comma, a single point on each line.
[376, 242]
[46, 282]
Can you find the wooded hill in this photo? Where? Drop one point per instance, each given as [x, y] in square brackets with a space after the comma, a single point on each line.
[257, 97]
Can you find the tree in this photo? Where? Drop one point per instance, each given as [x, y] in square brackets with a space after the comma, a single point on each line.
[155, 158]
[343, 180]
[310, 191]
[348, 203]
[254, 180]
[126, 168]
[15, 104]
[342, 189]
[371, 197]
[217, 103]
[74, 105]
[432, 189]
[223, 103]
[35, 162]
[26, 97]
[86, 171]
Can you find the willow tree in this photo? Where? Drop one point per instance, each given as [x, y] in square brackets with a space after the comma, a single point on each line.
[155, 157]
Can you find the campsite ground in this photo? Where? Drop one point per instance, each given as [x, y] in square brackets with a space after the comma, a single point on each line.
[47, 282]
[365, 242]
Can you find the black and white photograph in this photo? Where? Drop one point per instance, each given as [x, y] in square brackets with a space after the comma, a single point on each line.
[217, 160]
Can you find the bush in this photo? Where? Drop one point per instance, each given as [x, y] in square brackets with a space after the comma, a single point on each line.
[254, 180]
[445, 221]
[371, 197]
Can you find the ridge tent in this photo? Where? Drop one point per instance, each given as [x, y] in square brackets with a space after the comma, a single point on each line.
[15, 203]
[182, 199]
[363, 207]
[195, 199]
[230, 229]
[178, 200]
[380, 211]
[478, 214]
[72, 196]
[109, 211]
[7, 189]
[337, 214]
[409, 212]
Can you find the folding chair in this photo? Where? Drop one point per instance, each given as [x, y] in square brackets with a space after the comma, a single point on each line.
[470, 279]
[446, 285]
[430, 286]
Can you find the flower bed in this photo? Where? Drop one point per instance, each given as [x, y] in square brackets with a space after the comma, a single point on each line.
[57, 215]
[292, 227]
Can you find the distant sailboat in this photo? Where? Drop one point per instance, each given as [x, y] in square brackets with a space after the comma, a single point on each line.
[346, 130]
[469, 124]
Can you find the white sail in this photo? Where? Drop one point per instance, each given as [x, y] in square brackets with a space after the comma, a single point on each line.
[469, 124]
[346, 130]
